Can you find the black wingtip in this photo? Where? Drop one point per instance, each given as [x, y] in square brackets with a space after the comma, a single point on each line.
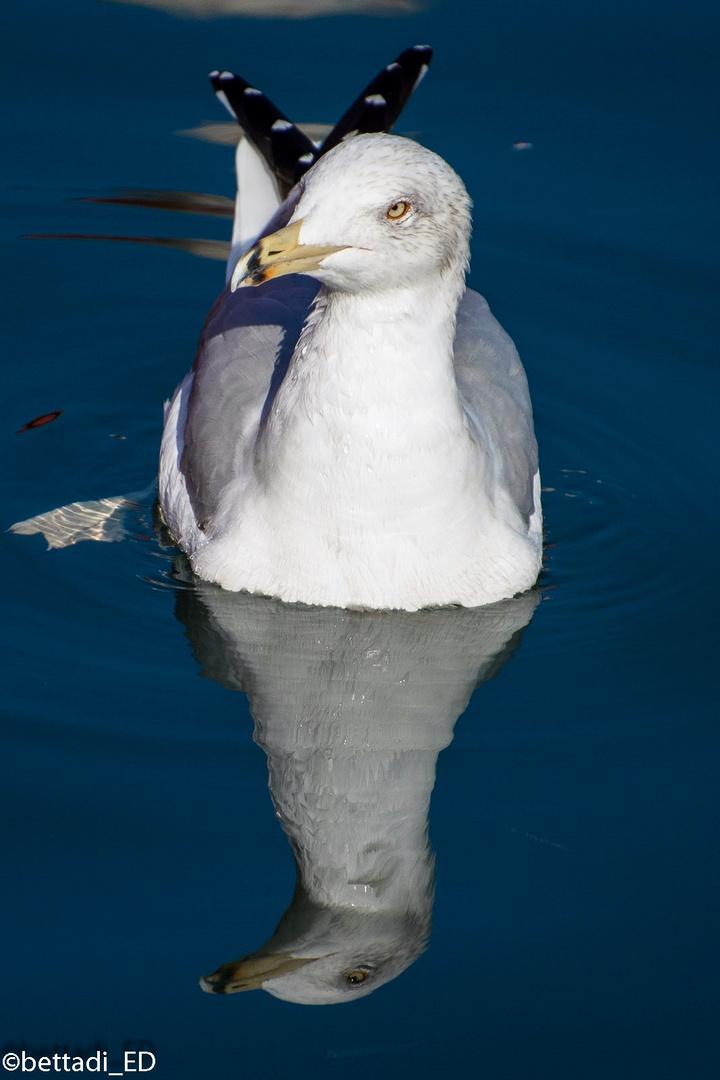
[394, 85]
[285, 148]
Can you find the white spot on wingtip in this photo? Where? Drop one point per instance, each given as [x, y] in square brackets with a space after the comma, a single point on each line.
[252, 92]
[393, 67]
[281, 125]
[221, 97]
[306, 159]
[226, 76]
[375, 99]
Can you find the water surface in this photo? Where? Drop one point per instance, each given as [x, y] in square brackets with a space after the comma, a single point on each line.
[574, 811]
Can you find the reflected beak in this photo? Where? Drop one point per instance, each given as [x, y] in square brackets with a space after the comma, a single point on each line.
[279, 253]
[250, 972]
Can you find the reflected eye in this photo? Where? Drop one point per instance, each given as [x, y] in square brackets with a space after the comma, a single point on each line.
[357, 976]
[398, 210]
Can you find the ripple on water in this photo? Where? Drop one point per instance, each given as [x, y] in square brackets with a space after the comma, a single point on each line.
[613, 531]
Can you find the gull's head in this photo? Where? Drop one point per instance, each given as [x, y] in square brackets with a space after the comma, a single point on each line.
[377, 212]
[328, 955]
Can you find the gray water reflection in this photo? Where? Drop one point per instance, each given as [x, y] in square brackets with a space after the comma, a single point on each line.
[280, 9]
[352, 710]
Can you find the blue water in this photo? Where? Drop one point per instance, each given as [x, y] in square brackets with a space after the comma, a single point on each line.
[574, 816]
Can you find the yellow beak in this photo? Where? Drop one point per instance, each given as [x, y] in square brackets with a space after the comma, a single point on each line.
[276, 254]
[250, 972]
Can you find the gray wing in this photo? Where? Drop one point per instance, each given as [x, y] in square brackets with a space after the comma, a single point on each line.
[246, 346]
[244, 351]
[494, 392]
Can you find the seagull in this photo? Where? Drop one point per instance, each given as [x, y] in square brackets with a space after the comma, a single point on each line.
[356, 430]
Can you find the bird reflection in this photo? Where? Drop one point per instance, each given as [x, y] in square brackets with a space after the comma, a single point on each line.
[352, 709]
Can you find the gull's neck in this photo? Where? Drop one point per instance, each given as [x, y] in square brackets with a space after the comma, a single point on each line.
[359, 833]
[371, 382]
[382, 341]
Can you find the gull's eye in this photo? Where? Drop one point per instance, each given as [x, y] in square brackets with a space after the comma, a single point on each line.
[357, 976]
[398, 210]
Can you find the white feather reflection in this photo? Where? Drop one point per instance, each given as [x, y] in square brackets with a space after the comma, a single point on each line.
[352, 709]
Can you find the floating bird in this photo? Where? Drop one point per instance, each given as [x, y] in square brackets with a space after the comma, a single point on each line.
[356, 429]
